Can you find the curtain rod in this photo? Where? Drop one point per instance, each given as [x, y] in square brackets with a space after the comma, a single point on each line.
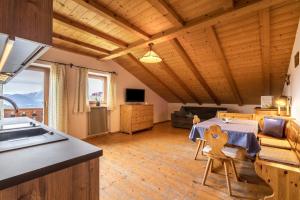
[71, 65]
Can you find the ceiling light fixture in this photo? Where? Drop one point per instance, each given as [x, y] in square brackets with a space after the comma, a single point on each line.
[150, 56]
[7, 49]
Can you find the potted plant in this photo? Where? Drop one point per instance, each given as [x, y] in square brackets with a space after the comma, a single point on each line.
[97, 102]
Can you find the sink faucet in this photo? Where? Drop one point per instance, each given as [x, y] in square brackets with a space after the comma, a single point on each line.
[11, 102]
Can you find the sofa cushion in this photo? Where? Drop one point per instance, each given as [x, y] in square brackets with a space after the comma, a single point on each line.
[228, 151]
[278, 155]
[274, 127]
[277, 143]
[180, 113]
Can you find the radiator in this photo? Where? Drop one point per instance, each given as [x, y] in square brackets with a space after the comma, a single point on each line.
[97, 120]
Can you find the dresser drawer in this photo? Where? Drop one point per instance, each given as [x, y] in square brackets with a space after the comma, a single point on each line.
[141, 126]
[139, 117]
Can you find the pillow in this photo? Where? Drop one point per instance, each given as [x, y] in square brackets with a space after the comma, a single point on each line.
[274, 127]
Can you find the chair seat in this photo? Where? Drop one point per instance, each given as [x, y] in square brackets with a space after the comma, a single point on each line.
[283, 156]
[277, 143]
[228, 151]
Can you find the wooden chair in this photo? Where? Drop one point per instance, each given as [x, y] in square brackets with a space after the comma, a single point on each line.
[201, 144]
[216, 150]
[201, 141]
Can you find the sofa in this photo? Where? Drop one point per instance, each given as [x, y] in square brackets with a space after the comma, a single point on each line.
[184, 117]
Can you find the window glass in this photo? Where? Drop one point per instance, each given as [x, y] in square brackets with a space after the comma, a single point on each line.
[97, 88]
[27, 91]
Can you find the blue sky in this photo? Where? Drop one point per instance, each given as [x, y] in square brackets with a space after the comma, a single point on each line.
[26, 82]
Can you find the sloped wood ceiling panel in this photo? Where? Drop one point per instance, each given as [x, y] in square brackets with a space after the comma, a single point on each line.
[78, 13]
[240, 41]
[198, 48]
[146, 78]
[63, 44]
[190, 9]
[284, 22]
[167, 52]
[82, 36]
[160, 72]
[236, 61]
[140, 13]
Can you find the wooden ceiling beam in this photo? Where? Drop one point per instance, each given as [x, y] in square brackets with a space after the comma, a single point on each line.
[227, 4]
[264, 20]
[203, 22]
[217, 48]
[166, 9]
[80, 43]
[73, 50]
[70, 23]
[186, 87]
[136, 61]
[191, 65]
[106, 13]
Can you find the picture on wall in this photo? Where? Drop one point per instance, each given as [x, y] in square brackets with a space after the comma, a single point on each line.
[297, 59]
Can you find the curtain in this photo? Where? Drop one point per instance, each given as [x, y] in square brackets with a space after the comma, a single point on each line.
[58, 98]
[81, 101]
[112, 92]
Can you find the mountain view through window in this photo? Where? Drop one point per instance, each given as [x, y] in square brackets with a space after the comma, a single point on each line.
[26, 89]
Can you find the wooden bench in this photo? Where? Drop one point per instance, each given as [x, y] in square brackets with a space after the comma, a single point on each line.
[221, 115]
[279, 167]
[266, 140]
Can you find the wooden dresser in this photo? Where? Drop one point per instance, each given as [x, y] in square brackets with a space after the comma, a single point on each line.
[136, 118]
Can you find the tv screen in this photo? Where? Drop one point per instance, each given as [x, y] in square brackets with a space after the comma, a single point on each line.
[135, 95]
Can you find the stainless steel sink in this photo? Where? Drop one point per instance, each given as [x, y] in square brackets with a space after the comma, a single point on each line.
[21, 138]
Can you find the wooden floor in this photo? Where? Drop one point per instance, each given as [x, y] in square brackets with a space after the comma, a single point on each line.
[159, 164]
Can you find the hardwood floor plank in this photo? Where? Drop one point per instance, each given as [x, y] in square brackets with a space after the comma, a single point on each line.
[159, 164]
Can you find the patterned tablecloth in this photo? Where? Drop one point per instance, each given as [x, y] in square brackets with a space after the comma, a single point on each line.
[241, 133]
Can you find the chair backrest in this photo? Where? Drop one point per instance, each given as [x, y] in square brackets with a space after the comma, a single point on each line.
[216, 139]
[235, 115]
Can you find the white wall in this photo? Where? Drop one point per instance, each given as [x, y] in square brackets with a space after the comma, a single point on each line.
[231, 107]
[78, 122]
[293, 89]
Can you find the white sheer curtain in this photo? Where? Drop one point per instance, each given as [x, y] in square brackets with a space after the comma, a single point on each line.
[81, 102]
[112, 91]
[58, 98]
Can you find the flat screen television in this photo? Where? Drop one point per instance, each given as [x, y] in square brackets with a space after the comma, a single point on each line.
[135, 95]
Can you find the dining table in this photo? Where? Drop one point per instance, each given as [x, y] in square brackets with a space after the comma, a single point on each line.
[241, 133]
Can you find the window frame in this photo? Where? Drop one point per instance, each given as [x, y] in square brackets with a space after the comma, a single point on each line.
[100, 77]
[46, 72]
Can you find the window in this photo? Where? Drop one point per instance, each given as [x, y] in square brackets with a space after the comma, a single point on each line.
[28, 89]
[97, 88]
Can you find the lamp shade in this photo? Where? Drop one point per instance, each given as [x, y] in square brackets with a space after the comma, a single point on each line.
[281, 101]
[150, 57]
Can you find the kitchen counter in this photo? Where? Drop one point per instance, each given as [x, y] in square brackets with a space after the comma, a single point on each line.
[21, 165]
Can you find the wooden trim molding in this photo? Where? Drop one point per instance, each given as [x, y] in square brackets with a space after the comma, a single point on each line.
[166, 9]
[70, 23]
[216, 46]
[191, 65]
[134, 59]
[264, 20]
[106, 13]
[201, 22]
[80, 43]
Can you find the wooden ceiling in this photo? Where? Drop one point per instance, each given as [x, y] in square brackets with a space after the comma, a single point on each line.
[221, 51]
